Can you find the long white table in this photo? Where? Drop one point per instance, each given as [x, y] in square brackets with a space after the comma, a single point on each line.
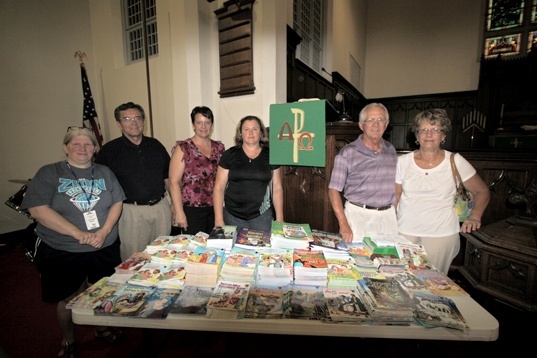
[483, 326]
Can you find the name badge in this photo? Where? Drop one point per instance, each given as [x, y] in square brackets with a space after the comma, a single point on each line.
[91, 220]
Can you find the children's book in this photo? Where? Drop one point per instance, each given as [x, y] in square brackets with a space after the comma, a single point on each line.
[133, 263]
[438, 311]
[126, 301]
[253, 239]
[413, 255]
[305, 302]
[157, 243]
[328, 241]
[345, 305]
[95, 294]
[228, 300]
[173, 276]
[439, 284]
[240, 265]
[222, 237]
[148, 275]
[275, 267]
[290, 235]
[264, 302]
[200, 239]
[158, 303]
[192, 300]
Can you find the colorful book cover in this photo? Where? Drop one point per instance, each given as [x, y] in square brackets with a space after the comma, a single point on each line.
[158, 303]
[252, 238]
[439, 284]
[126, 301]
[264, 302]
[305, 258]
[328, 240]
[148, 275]
[192, 300]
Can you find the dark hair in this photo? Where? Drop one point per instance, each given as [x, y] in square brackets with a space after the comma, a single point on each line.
[434, 116]
[125, 106]
[204, 111]
[263, 141]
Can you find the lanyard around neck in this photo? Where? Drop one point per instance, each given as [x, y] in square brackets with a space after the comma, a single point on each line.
[88, 197]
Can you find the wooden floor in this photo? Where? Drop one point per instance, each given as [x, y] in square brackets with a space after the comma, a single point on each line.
[28, 328]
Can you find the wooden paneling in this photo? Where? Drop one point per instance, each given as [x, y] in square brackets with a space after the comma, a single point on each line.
[236, 48]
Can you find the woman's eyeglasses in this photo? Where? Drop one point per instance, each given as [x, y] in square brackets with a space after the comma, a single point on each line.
[74, 128]
[430, 130]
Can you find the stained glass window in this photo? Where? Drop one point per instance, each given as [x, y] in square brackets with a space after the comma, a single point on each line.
[510, 27]
[503, 14]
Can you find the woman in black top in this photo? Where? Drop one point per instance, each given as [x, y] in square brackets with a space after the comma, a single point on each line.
[248, 190]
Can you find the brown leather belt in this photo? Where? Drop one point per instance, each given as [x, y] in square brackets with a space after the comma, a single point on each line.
[149, 203]
[371, 207]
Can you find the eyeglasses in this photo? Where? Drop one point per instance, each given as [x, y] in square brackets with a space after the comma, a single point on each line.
[379, 120]
[131, 119]
[74, 128]
[430, 130]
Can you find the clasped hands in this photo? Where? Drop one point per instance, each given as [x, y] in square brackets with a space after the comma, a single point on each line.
[93, 239]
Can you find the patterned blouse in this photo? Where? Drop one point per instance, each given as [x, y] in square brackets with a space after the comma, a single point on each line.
[200, 173]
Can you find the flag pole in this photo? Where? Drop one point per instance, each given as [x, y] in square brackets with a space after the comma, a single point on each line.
[146, 56]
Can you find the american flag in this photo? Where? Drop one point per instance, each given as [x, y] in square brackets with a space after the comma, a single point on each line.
[90, 118]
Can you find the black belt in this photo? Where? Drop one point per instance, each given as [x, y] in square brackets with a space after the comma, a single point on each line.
[371, 207]
[150, 202]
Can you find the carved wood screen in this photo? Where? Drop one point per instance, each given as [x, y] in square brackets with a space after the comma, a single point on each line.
[236, 49]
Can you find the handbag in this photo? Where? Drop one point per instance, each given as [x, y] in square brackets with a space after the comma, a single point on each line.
[464, 201]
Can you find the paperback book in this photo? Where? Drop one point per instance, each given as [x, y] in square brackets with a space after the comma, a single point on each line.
[328, 242]
[345, 305]
[290, 235]
[264, 302]
[222, 237]
[148, 275]
[275, 267]
[126, 301]
[240, 265]
[310, 267]
[438, 311]
[228, 300]
[157, 243]
[94, 295]
[173, 276]
[253, 239]
[133, 263]
[439, 284]
[158, 303]
[192, 300]
[305, 302]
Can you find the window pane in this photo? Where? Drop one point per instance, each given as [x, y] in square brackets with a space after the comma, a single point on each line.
[134, 27]
[502, 45]
[503, 14]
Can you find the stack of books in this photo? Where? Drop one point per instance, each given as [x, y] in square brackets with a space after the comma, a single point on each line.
[173, 276]
[203, 266]
[252, 239]
[310, 267]
[228, 300]
[264, 302]
[290, 236]
[148, 275]
[275, 267]
[342, 272]
[386, 301]
[413, 255]
[305, 302]
[345, 305]
[126, 301]
[192, 300]
[329, 242]
[133, 263]
[158, 303]
[157, 244]
[222, 237]
[380, 245]
[240, 265]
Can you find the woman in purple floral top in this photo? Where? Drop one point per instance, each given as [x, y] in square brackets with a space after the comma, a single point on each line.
[192, 174]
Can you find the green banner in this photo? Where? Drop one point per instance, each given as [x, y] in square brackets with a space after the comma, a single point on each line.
[298, 133]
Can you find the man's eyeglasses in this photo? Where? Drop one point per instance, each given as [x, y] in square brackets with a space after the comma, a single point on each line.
[132, 119]
[74, 128]
[379, 120]
[430, 130]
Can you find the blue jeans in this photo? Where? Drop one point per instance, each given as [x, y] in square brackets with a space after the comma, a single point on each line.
[262, 222]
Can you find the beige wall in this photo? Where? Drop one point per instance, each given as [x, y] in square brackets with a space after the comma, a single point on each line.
[422, 46]
[41, 92]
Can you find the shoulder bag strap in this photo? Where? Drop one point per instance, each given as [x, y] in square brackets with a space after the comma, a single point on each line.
[455, 172]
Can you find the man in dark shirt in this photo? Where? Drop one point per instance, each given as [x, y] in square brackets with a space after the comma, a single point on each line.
[140, 164]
